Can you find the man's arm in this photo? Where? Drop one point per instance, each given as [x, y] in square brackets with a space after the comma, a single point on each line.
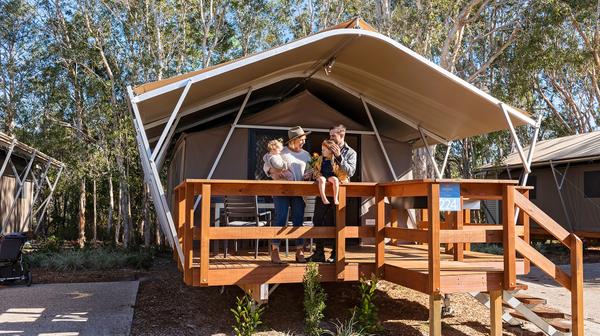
[347, 162]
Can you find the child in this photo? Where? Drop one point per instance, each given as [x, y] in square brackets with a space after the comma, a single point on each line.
[273, 159]
[327, 170]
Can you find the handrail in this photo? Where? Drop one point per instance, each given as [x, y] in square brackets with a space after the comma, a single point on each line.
[572, 281]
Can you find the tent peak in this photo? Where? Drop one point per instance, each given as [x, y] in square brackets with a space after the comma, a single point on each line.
[355, 23]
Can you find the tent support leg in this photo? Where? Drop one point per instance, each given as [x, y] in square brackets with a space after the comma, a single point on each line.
[7, 158]
[559, 190]
[152, 178]
[165, 137]
[387, 158]
[44, 205]
[438, 173]
[527, 163]
[39, 187]
[515, 138]
[21, 182]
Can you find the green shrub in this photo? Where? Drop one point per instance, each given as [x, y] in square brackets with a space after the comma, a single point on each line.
[314, 300]
[488, 248]
[247, 316]
[366, 310]
[348, 328]
[51, 244]
[90, 259]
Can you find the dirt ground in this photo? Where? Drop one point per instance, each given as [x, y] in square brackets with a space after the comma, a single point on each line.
[165, 306]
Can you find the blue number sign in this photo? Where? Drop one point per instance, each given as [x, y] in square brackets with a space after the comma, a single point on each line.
[449, 197]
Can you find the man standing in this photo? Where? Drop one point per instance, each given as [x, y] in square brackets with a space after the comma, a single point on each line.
[324, 213]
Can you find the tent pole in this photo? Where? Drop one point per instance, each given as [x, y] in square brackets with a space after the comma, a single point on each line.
[8, 154]
[165, 137]
[527, 164]
[446, 158]
[47, 200]
[560, 195]
[312, 129]
[430, 154]
[233, 126]
[387, 158]
[515, 138]
[37, 191]
[152, 178]
[21, 181]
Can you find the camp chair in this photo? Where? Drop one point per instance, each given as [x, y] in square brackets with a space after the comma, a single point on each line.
[240, 211]
[309, 213]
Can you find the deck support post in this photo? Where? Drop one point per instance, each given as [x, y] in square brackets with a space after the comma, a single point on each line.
[508, 237]
[435, 296]
[204, 234]
[496, 312]
[188, 234]
[435, 314]
[340, 235]
[258, 292]
[576, 286]
[379, 231]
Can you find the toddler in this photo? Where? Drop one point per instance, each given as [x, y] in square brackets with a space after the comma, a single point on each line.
[274, 160]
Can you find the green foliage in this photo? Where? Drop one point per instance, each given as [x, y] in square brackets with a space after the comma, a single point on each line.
[314, 300]
[247, 315]
[351, 327]
[51, 244]
[490, 248]
[90, 259]
[366, 310]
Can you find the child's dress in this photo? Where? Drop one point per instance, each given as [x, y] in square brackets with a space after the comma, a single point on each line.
[327, 168]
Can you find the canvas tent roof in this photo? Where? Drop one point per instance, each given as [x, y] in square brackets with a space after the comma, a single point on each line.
[392, 79]
[579, 147]
[21, 153]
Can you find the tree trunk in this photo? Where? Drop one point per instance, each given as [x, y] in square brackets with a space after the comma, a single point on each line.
[94, 222]
[111, 204]
[81, 239]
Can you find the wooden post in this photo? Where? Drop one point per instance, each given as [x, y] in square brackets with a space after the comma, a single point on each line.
[523, 219]
[576, 286]
[340, 235]
[393, 223]
[435, 297]
[180, 221]
[467, 220]
[508, 237]
[379, 231]
[496, 313]
[188, 234]
[458, 248]
[435, 314]
[204, 234]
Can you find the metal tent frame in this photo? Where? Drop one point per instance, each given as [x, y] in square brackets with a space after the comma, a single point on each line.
[37, 170]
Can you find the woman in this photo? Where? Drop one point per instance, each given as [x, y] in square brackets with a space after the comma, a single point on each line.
[296, 159]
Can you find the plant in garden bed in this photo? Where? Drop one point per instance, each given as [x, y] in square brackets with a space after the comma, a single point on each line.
[366, 310]
[247, 315]
[90, 259]
[314, 300]
[351, 327]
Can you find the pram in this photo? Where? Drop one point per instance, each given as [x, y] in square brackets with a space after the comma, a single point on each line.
[12, 267]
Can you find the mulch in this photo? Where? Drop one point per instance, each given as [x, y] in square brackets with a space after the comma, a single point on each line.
[166, 306]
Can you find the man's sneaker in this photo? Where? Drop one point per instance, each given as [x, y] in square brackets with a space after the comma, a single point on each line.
[317, 257]
[331, 259]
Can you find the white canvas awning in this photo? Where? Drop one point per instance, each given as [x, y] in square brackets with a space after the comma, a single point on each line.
[362, 62]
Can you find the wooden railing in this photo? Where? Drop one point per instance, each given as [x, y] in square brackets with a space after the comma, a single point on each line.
[455, 229]
[572, 281]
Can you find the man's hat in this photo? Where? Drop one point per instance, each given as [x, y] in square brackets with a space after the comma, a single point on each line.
[295, 133]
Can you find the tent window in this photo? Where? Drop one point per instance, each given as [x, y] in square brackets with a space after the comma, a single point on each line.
[591, 184]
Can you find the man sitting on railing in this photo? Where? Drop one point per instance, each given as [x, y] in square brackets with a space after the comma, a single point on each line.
[345, 157]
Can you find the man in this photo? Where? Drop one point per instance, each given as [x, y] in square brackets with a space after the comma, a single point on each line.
[345, 157]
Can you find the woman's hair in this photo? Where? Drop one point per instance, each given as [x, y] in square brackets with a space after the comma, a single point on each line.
[271, 145]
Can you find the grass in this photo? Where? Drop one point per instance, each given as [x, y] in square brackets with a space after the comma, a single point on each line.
[90, 259]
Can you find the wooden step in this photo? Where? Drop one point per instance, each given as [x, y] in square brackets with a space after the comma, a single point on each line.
[561, 324]
[529, 300]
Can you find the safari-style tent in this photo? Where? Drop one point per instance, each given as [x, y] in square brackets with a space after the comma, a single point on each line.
[210, 126]
[566, 180]
[26, 187]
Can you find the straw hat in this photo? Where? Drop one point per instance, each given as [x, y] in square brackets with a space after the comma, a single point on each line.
[295, 133]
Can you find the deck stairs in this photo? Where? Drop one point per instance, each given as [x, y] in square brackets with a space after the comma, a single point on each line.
[520, 307]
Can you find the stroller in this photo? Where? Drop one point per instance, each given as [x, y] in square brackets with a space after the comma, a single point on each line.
[12, 267]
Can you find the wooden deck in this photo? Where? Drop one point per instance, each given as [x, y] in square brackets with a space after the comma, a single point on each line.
[406, 265]
[421, 266]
